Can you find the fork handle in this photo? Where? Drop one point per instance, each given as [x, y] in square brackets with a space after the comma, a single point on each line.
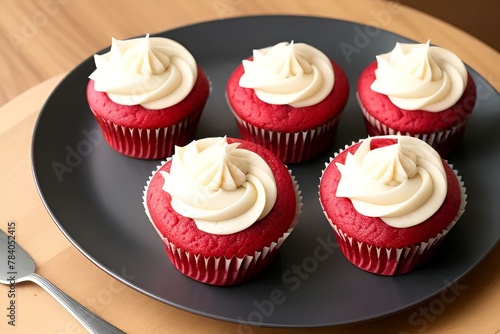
[89, 320]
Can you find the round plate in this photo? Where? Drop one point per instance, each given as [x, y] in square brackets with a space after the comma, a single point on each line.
[94, 194]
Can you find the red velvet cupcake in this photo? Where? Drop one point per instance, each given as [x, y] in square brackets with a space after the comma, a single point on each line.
[222, 207]
[288, 98]
[147, 95]
[418, 90]
[390, 201]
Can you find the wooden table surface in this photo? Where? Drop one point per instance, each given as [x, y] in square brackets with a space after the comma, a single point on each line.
[44, 39]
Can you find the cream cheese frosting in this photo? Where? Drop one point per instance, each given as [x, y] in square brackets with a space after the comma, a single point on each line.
[403, 184]
[294, 74]
[420, 77]
[154, 72]
[223, 188]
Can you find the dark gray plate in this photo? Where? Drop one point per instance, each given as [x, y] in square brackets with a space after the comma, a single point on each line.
[94, 194]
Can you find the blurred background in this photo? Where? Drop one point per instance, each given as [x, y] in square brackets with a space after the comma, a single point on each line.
[480, 18]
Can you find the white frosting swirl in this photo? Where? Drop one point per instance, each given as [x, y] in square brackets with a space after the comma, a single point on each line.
[154, 72]
[403, 184]
[287, 73]
[420, 77]
[223, 188]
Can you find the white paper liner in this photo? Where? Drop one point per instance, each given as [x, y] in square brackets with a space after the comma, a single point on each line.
[435, 139]
[148, 143]
[290, 147]
[387, 260]
[222, 270]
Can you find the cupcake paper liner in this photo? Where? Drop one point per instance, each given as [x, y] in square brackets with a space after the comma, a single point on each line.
[223, 271]
[444, 141]
[391, 261]
[148, 143]
[290, 147]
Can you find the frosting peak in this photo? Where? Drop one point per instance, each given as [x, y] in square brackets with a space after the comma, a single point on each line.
[403, 184]
[283, 61]
[420, 77]
[219, 167]
[143, 58]
[223, 188]
[390, 165]
[154, 72]
[296, 74]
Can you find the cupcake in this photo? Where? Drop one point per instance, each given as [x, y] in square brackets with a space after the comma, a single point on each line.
[288, 98]
[222, 207]
[390, 201]
[147, 95]
[418, 90]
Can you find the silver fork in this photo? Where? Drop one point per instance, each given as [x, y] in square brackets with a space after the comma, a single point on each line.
[16, 266]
